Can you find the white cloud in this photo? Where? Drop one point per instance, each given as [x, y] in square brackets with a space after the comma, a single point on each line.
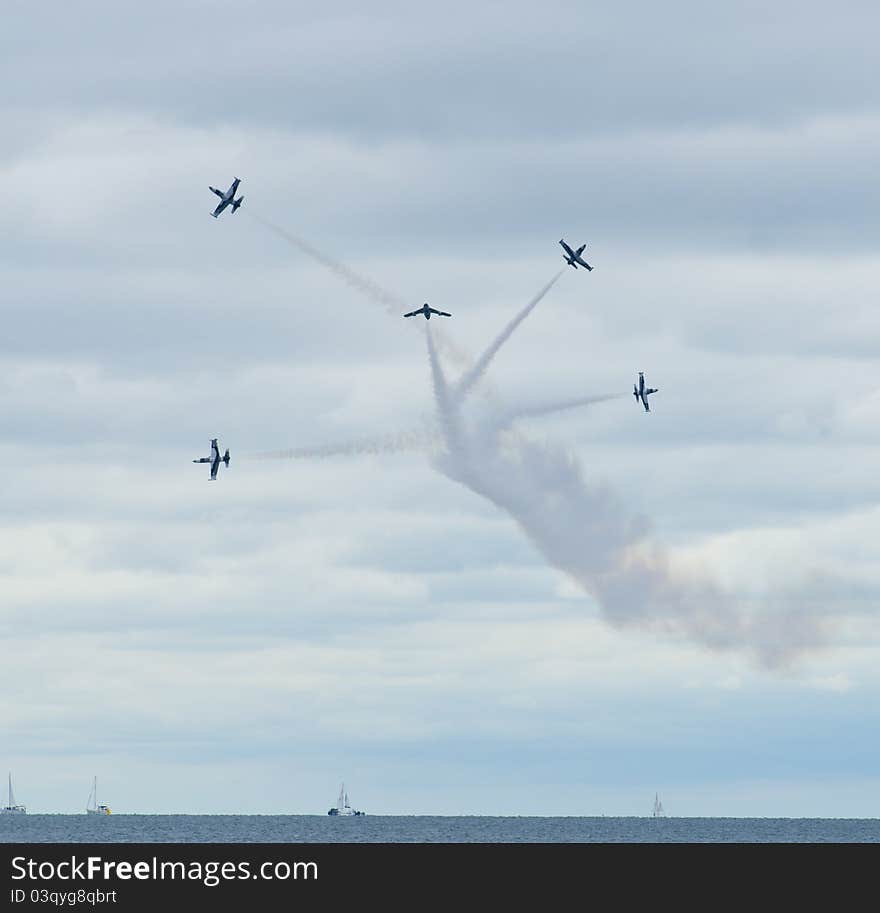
[367, 612]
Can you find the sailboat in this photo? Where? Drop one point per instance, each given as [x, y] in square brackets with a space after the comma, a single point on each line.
[658, 807]
[11, 808]
[342, 807]
[92, 807]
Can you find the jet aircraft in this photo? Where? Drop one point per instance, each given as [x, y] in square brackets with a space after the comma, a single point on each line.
[573, 257]
[227, 198]
[640, 392]
[214, 459]
[427, 311]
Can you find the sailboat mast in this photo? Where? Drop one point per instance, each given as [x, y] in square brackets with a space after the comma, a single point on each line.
[658, 805]
[11, 803]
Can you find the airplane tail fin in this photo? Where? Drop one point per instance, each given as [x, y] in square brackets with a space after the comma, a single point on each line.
[237, 203]
[226, 457]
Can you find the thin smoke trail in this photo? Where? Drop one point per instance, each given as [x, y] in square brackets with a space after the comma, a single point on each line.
[365, 286]
[394, 442]
[448, 420]
[471, 377]
[540, 409]
[394, 304]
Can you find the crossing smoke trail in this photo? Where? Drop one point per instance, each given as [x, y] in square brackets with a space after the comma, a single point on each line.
[425, 438]
[448, 418]
[471, 377]
[393, 304]
[585, 531]
[581, 529]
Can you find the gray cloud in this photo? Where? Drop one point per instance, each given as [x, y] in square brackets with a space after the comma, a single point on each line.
[487, 71]
[364, 613]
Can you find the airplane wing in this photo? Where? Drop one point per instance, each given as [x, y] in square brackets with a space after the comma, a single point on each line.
[443, 313]
[233, 187]
[567, 249]
[584, 263]
[581, 249]
[218, 192]
[645, 402]
[203, 460]
[215, 465]
[650, 390]
[412, 313]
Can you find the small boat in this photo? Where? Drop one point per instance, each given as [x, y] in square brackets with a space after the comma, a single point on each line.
[342, 808]
[11, 808]
[92, 807]
[658, 807]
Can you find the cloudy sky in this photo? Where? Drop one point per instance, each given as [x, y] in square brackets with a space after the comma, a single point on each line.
[557, 613]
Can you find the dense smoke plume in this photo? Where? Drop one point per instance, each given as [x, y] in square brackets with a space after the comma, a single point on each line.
[580, 527]
[586, 531]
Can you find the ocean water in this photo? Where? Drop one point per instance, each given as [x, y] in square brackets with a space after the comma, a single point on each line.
[429, 829]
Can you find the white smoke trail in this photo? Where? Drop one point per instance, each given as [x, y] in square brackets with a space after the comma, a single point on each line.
[540, 409]
[581, 529]
[426, 438]
[367, 287]
[471, 377]
[393, 442]
[449, 420]
[393, 304]
[585, 531]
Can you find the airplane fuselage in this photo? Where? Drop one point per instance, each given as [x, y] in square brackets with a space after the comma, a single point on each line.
[227, 198]
[641, 393]
[214, 459]
[426, 310]
[573, 257]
